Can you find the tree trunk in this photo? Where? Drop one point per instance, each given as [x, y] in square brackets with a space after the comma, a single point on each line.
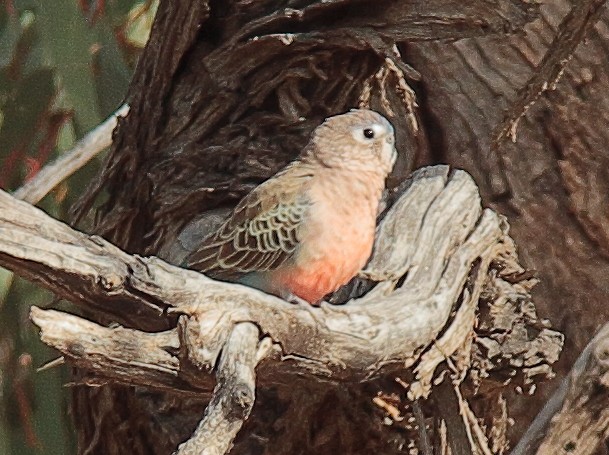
[227, 92]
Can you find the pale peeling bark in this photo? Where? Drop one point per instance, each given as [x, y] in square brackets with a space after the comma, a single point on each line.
[351, 342]
[437, 252]
[233, 396]
[576, 418]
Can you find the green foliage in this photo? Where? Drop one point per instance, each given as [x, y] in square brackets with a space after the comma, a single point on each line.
[65, 65]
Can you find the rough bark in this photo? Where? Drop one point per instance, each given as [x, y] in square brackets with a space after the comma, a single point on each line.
[233, 397]
[226, 93]
[420, 315]
[576, 418]
[552, 182]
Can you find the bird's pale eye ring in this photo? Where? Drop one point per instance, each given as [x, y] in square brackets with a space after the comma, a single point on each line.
[369, 133]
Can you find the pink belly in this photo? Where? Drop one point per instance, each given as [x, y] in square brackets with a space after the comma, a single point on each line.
[311, 281]
[337, 238]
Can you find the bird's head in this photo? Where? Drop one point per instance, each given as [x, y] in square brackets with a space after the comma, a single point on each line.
[360, 140]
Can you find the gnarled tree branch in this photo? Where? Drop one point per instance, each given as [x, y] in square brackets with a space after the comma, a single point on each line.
[437, 252]
[351, 341]
[233, 396]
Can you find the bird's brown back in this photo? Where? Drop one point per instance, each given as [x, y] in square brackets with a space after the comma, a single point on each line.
[262, 231]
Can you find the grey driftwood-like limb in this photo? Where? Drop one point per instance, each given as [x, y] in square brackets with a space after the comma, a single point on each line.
[117, 354]
[437, 256]
[436, 239]
[576, 418]
[350, 342]
[69, 162]
[233, 396]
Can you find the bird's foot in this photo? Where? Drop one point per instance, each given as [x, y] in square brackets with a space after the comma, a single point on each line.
[293, 298]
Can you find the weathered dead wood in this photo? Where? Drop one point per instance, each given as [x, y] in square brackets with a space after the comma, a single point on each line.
[351, 342]
[432, 271]
[70, 161]
[233, 396]
[118, 354]
[576, 418]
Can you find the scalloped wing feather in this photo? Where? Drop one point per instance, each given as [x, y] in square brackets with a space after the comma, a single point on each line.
[263, 230]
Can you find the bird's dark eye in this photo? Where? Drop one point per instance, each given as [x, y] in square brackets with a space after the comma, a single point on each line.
[368, 133]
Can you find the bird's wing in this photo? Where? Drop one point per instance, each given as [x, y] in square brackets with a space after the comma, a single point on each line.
[262, 232]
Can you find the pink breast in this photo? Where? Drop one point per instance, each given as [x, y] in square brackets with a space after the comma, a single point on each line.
[311, 281]
[337, 237]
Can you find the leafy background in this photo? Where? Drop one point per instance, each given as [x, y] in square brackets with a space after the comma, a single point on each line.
[64, 67]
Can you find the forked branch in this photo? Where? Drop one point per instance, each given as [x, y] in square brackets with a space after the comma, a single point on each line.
[437, 255]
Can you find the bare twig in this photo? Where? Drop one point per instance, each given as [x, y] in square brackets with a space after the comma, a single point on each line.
[572, 30]
[86, 149]
[471, 422]
[458, 433]
[389, 408]
[233, 396]
[425, 444]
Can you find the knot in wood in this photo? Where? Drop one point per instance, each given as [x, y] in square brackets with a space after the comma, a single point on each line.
[241, 402]
[110, 282]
